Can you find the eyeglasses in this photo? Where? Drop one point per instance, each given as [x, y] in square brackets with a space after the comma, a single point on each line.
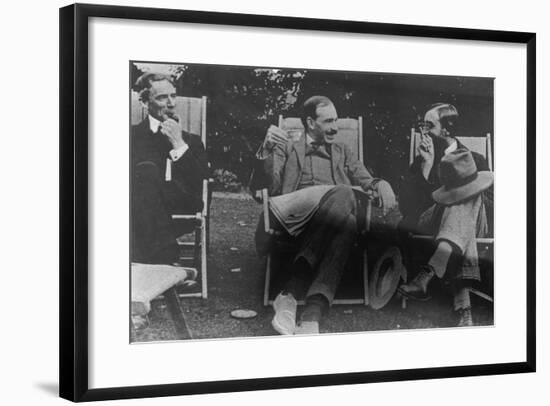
[425, 125]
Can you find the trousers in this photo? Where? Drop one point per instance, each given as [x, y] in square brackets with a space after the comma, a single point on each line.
[459, 225]
[154, 200]
[325, 242]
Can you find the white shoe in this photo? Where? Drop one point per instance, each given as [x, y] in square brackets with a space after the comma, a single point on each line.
[284, 321]
[307, 327]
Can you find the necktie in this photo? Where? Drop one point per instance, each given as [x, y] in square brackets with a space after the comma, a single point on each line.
[318, 148]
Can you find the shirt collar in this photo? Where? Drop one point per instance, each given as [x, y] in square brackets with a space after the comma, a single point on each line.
[153, 124]
[451, 148]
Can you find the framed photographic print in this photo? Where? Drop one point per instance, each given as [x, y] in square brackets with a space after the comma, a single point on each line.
[255, 202]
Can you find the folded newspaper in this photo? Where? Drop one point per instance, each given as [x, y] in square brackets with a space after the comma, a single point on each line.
[294, 210]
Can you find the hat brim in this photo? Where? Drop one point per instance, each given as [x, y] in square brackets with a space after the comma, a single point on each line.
[385, 276]
[449, 197]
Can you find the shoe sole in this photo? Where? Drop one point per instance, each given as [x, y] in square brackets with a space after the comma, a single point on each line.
[409, 296]
[280, 329]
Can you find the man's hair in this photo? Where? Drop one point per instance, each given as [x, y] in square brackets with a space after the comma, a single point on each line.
[145, 82]
[447, 115]
[309, 108]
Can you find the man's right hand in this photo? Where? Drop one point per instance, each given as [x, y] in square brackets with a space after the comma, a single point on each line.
[274, 136]
[426, 152]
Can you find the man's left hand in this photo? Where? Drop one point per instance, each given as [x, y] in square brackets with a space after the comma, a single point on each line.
[172, 129]
[386, 196]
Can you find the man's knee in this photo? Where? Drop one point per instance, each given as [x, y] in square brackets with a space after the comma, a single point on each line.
[345, 198]
[338, 205]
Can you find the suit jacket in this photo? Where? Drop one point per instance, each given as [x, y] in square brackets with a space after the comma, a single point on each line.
[416, 192]
[283, 167]
[187, 172]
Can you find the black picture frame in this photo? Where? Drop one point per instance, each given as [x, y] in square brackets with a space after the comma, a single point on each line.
[74, 171]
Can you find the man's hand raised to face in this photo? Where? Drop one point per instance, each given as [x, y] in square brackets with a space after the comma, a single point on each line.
[172, 129]
[426, 152]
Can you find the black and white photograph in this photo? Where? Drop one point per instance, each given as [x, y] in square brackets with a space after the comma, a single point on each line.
[276, 201]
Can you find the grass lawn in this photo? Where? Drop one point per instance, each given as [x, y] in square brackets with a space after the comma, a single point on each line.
[236, 278]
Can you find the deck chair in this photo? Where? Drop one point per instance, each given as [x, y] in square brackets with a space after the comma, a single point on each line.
[192, 112]
[481, 145]
[350, 131]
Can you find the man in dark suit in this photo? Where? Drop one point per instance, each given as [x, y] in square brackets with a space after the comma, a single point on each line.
[455, 221]
[168, 167]
[310, 181]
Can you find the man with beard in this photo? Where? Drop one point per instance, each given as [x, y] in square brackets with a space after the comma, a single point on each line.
[168, 167]
[310, 181]
[444, 165]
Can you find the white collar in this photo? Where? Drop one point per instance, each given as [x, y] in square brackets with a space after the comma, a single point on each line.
[451, 148]
[153, 124]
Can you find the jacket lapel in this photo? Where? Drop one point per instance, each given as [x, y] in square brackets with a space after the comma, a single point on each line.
[335, 155]
[300, 150]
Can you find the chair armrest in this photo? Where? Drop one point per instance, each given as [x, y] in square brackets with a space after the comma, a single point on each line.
[205, 183]
[265, 204]
[368, 197]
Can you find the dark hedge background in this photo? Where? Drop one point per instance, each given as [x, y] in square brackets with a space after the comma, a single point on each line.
[244, 101]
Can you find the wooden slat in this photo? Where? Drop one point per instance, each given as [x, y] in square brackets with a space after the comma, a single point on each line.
[475, 144]
[431, 237]
[360, 138]
[489, 152]
[177, 314]
[481, 294]
[137, 110]
[203, 120]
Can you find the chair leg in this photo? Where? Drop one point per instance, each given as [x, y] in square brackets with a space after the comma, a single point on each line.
[267, 279]
[203, 253]
[197, 248]
[176, 312]
[132, 330]
[208, 232]
[403, 302]
[365, 278]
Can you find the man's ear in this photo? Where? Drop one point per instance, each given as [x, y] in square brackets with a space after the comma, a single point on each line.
[144, 98]
[310, 123]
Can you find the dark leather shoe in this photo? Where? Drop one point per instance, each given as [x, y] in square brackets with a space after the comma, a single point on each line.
[465, 318]
[417, 289]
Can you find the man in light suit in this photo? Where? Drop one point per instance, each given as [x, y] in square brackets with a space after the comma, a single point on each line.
[314, 176]
[168, 167]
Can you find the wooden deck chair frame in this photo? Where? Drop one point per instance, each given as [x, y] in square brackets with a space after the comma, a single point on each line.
[284, 124]
[192, 112]
[481, 145]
